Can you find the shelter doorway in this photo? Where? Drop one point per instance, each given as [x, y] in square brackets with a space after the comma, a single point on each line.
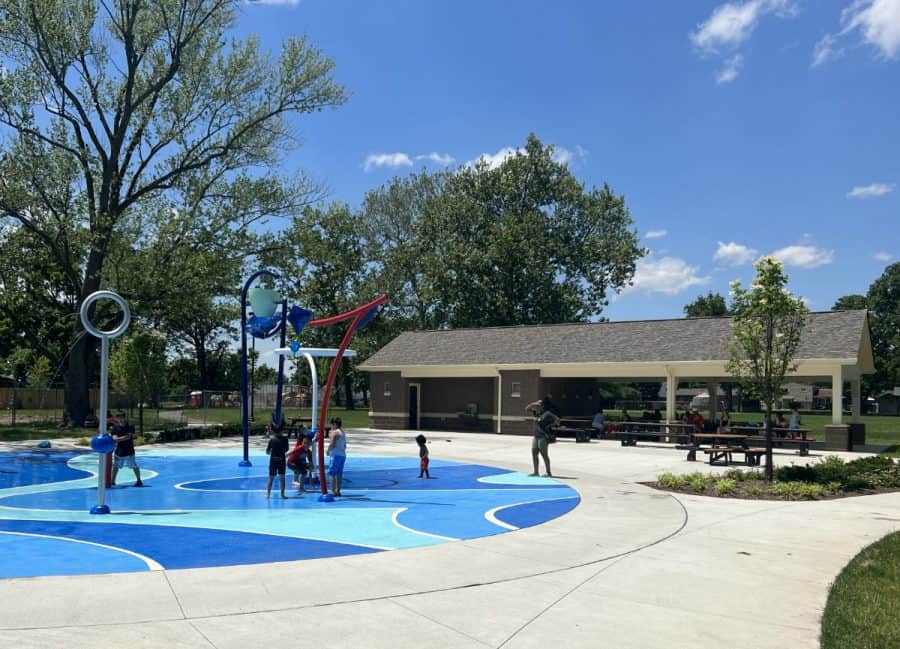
[414, 400]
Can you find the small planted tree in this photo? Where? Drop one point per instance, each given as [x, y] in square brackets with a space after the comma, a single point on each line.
[138, 367]
[766, 331]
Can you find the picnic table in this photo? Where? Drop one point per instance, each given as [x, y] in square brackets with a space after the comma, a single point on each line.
[630, 432]
[796, 437]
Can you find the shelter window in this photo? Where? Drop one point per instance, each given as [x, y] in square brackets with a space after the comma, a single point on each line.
[387, 388]
[515, 390]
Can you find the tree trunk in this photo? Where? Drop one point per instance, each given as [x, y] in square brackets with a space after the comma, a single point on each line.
[141, 417]
[76, 391]
[365, 393]
[769, 471]
[348, 388]
[202, 364]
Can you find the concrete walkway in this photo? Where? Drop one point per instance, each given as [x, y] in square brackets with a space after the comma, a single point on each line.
[629, 567]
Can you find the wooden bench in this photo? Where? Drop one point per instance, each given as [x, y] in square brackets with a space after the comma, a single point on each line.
[719, 453]
[753, 456]
[581, 435]
[778, 442]
[691, 449]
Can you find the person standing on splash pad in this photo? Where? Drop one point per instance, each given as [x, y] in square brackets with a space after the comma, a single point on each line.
[123, 434]
[423, 456]
[277, 451]
[546, 419]
[337, 449]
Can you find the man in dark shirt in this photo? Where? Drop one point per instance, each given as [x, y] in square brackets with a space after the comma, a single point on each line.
[123, 434]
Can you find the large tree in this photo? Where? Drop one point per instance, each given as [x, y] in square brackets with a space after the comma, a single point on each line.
[525, 243]
[766, 330]
[706, 306]
[851, 303]
[118, 111]
[883, 300]
[323, 264]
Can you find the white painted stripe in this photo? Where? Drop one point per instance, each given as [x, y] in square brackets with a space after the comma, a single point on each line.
[395, 521]
[491, 517]
[151, 564]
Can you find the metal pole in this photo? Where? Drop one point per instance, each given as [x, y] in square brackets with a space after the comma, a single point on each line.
[104, 377]
[245, 406]
[315, 411]
[253, 379]
[282, 340]
[245, 415]
[102, 443]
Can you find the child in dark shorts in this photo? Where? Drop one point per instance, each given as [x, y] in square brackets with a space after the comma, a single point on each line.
[277, 451]
[423, 456]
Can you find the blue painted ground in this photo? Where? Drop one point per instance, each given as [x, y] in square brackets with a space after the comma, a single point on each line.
[200, 509]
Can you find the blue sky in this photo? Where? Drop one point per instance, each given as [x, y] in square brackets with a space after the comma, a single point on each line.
[733, 129]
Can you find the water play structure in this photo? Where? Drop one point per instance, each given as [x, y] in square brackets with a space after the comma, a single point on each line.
[264, 323]
[102, 443]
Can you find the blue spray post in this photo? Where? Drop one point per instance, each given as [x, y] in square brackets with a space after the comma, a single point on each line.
[102, 443]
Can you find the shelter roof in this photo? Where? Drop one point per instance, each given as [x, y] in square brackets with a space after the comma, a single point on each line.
[837, 335]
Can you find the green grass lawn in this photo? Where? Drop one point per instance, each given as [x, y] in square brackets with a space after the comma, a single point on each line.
[357, 418]
[863, 609]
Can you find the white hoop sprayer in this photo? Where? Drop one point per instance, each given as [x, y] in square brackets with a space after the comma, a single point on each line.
[102, 443]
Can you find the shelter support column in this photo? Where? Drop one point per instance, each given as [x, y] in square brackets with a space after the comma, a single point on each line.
[855, 400]
[671, 388]
[712, 389]
[499, 428]
[837, 392]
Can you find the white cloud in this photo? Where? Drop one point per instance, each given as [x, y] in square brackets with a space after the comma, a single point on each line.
[879, 23]
[734, 254]
[439, 158]
[826, 50]
[869, 191]
[881, 256]
[730, 70]
[804, 256]
[656, 234]
[387, 160]
[494, 160]
[561, 155]
[733, 22]
[669, 275]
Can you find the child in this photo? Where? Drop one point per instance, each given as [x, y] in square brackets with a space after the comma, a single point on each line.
[276, 450]
[423, 456]
[298, 460]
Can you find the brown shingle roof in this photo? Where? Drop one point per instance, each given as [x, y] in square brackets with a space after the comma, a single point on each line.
[832, 334]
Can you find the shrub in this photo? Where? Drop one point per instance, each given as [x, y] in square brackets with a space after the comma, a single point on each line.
[793, 473]
[736, 474]
[754, 490]
[788, 490]
[812, 491]
[670, 481]
[700, 482]
[83, 441]
[875, 464]
[725, 486]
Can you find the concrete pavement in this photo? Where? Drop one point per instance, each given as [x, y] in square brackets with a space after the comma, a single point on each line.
[629, 567]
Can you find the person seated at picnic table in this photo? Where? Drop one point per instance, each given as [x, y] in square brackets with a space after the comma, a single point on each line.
[697, 420]
[625, 416]
[794, 423]
[725, 423]
[597, 421]
[780, 422]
